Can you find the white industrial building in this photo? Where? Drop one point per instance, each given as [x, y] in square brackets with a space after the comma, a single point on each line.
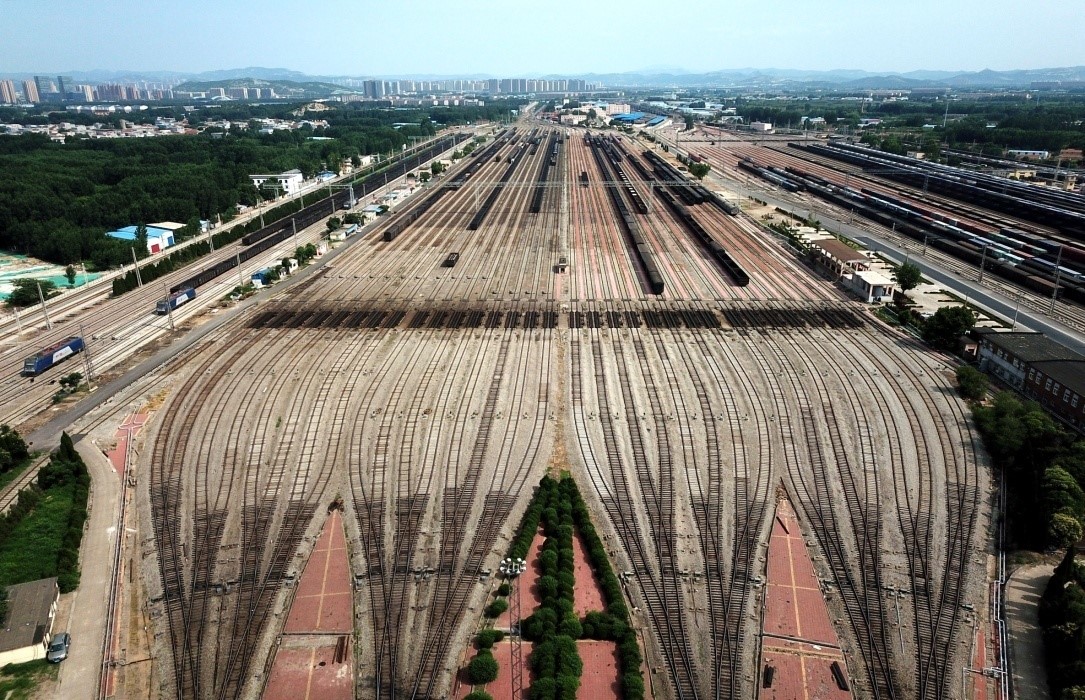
[872, 286]
[289, 183]
[763, 127]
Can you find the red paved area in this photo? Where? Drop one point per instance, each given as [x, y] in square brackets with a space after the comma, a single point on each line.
[802, 671]
[319, 622]
[529, 593]
[118, 456]
[600, 680]
[305, 672]
[502, 687]
[323, 601]
[587, 595]
[794, 605]
[979, 683]
[798, 640]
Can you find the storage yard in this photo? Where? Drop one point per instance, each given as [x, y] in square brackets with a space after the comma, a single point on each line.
[638, 333]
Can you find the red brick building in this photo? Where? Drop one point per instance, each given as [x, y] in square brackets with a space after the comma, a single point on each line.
[1059, 386]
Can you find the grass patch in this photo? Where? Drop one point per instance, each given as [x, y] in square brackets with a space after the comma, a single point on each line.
[20, 681]
[30, 551]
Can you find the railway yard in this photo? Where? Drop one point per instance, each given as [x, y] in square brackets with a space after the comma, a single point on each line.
[558, 302]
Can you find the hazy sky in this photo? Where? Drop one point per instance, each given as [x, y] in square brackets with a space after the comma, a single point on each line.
[393, 37]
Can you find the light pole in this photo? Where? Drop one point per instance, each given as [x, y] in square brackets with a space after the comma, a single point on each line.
[44, 311]
[1015, 310]
[511, 569]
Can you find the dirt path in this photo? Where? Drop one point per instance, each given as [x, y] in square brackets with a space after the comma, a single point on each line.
[1023, 593]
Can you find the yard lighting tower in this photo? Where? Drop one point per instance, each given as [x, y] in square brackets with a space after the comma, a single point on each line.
[511, 569]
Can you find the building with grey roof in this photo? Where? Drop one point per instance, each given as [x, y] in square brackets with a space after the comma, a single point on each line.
[28, 627]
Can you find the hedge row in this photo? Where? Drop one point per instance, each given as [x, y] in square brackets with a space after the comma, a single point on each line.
[67, 468]
[555, 663]
[614, 623]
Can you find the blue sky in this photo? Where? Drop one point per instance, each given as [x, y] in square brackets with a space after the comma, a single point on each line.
[397, 37]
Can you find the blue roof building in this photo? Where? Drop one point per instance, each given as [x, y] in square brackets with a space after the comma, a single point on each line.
[157, 238]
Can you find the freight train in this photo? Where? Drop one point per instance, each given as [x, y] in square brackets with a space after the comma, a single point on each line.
[52, 355]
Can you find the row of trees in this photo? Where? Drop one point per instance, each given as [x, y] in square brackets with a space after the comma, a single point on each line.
[1043, 465]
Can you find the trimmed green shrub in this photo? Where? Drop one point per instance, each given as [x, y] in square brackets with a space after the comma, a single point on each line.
[482, 669]
[488, 637]
[478, 695]
[497, 607]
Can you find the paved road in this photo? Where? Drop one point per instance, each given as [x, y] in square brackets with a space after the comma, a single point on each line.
[1023, 593]
[87, 618]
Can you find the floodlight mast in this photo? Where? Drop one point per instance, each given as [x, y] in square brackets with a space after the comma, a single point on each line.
[511, 568]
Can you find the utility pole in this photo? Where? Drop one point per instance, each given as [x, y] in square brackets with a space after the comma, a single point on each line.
[19, 321]
[135, 264]
[983, 260]
[1058, 276]
[294, 224]
[1015, 310]
[45, 311]
[240, 281]
[169, 309]
[86, 355]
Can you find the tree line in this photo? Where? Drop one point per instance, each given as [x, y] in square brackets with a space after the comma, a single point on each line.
[58, 200]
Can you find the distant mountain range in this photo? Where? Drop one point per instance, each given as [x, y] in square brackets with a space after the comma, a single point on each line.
[776, 78]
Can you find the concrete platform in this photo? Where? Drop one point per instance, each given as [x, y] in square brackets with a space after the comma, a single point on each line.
[798, 641]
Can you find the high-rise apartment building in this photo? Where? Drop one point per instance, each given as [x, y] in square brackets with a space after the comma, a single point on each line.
[7, 92]
[47, 89]
[30, 92]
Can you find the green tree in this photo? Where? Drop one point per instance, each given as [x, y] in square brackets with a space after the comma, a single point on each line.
[699, 170]
[689, 122]
[69, 272]
[334, 223]
[141, 240]
[482, 669]
[908, 276]
[1063, 531]
[971, 382]
[437, 167]
[25, 292]
[947, 325]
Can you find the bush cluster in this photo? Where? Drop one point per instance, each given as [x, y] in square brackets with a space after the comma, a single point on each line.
[1062, 618]
[13, 449]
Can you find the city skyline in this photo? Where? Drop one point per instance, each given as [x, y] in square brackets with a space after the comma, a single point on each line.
[480, 37]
